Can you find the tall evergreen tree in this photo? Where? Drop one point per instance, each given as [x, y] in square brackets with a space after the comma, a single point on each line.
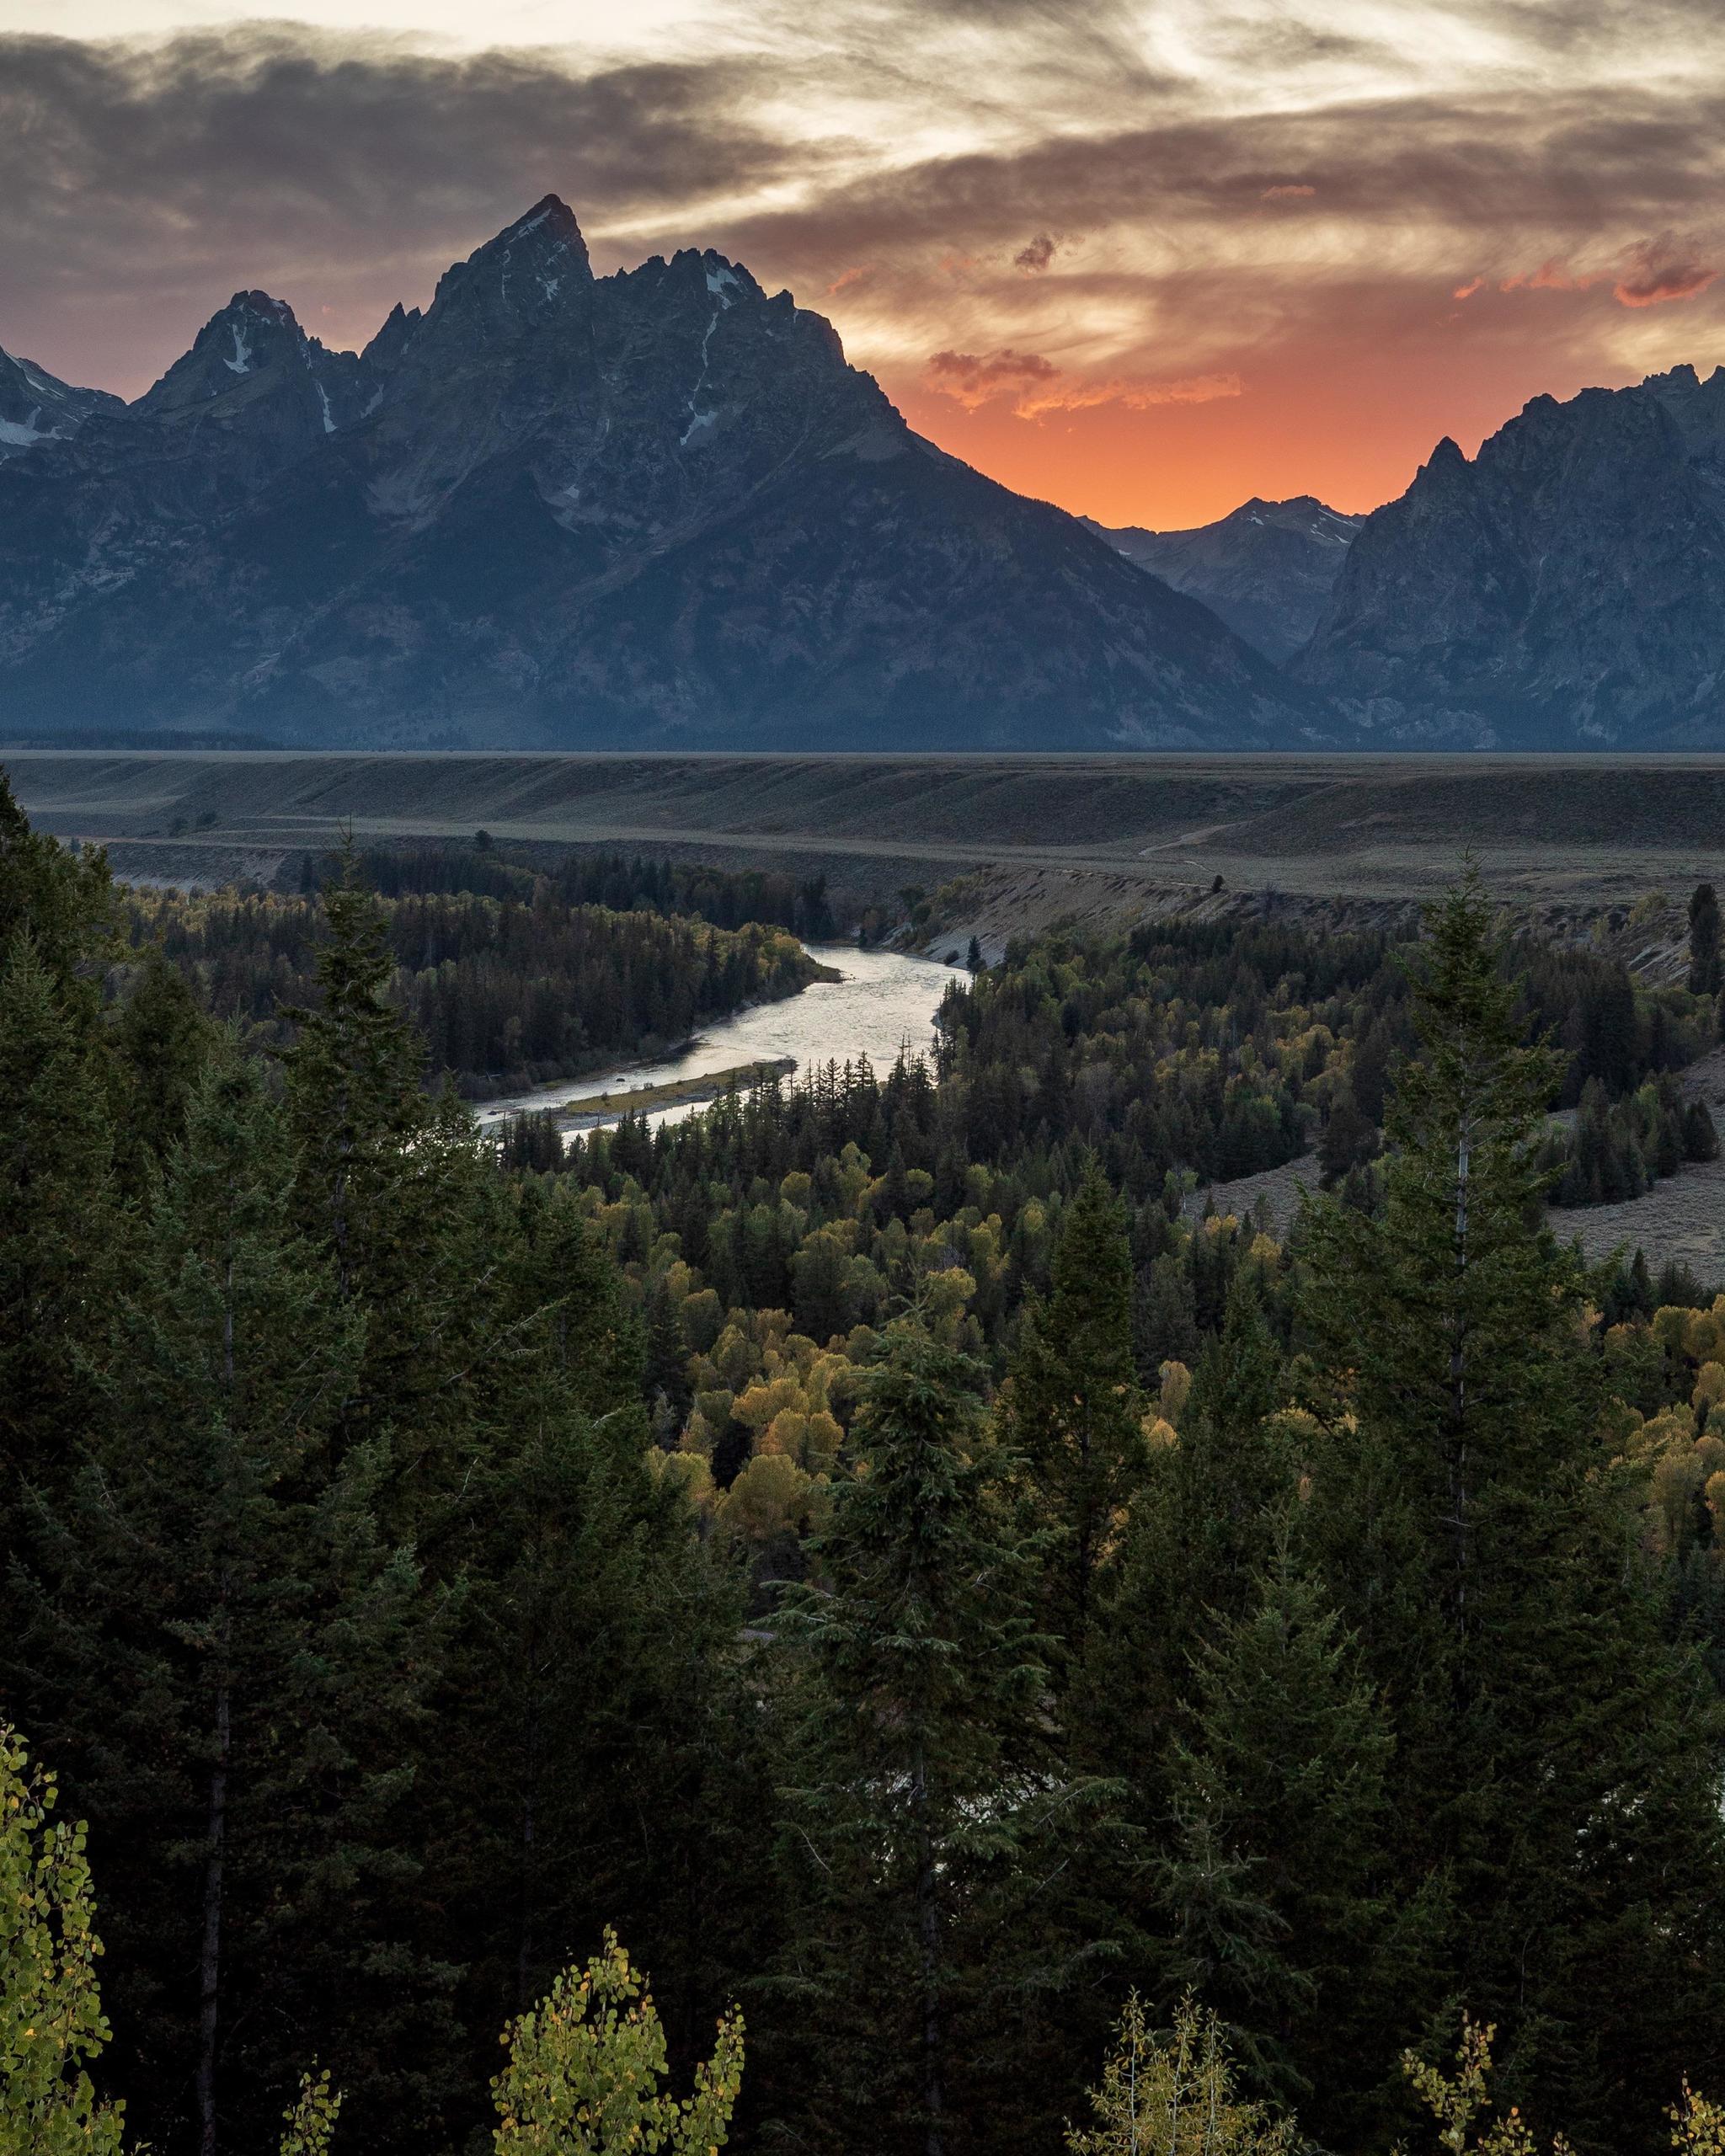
[391, 1187]
[1558, 1769]
[60, 1244]
[62, 899]
[1705, 976]
[1277, 1880]
[1199, 1533]
[589, 1704]
[161, 1038]
[356, 1096]
[232, 1660]
[926, 1782]
[1075, 1414]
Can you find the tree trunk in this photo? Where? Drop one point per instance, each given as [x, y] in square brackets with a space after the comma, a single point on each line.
[523, 1958]
[209, 1958]
[928, 1941]
[1458, 1373]
[1087, 1528]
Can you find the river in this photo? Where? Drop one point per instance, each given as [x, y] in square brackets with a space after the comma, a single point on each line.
[884, 1001]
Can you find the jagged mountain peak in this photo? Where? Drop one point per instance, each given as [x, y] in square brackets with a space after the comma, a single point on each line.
[553, 216]
[658, 505]
[531, 271]
[249, 337]
[1559, 590]
[386, 347]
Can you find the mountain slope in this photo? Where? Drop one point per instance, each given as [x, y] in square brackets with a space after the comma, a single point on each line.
[1267, 568]
[1562, 590]
[36, 406]
[557, 511]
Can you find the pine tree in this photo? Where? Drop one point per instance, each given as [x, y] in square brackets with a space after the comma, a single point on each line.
[392, 1187]
[161, 1039]
[925, 1783]
[62, 1229]
[1199, 1533]
[61, 898]
[1449, 1312]
[1706, 977]
[1279, 1807]
[596, 1659]
[230, 1658]
[1556, 1765]
[355, 1094]
[1075, 1414]
[60, 1241]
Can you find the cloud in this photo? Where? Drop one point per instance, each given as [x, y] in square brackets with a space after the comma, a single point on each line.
[910, 166]
[1037, 385]
[143, 183]
[1552, 276]
[972, 380]
[1073, 393]
[1660, 269]
[1648, 273]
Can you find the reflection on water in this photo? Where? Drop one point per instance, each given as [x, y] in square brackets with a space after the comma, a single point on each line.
[884, 1002]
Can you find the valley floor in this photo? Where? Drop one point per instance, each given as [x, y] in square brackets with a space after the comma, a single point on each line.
[1104, 837]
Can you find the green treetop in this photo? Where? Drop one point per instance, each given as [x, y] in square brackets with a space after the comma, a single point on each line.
[1075, 1414]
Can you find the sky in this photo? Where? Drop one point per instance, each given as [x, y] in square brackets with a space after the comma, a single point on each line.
[1142, 258]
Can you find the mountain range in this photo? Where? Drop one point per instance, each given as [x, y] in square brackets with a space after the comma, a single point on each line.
[562, 511]
[1267, 568]
[1562, 589]
[660, 509]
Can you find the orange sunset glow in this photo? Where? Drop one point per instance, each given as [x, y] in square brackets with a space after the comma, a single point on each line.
[1142, 261]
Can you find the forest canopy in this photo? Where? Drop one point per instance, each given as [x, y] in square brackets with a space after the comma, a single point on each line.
[880, 1547]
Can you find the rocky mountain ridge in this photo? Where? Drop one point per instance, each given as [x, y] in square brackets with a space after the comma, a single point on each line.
[1560, 590]
[1267, 568]
[561, 510]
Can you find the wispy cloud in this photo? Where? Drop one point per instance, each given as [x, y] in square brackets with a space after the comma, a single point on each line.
[1271, 200]
[1037, 385]
[1663, 269]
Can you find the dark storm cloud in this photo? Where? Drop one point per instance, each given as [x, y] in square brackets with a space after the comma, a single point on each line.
[170, 174]
[142, 183]
[1036, 254]
[972, 374]
[1486, 170]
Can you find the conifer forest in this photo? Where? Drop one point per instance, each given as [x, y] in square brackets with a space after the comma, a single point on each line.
[868, 1620]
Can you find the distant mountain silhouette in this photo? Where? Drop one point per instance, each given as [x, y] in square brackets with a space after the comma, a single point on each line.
[563, 510]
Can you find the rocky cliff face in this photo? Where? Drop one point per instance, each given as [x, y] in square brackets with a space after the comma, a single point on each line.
[1267, 568]
[1561, 590]
[560, 510]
